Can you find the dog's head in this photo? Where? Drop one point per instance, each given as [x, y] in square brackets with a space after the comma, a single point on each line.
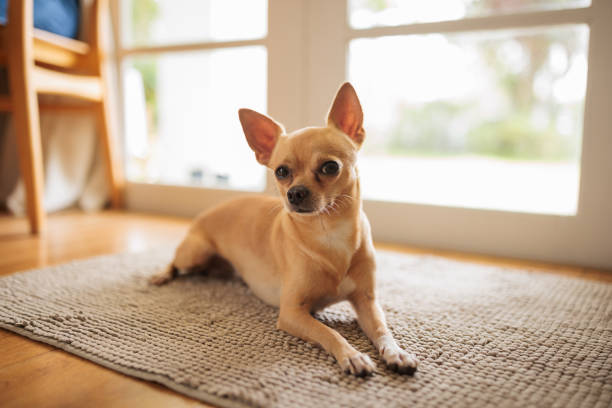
[315, 167]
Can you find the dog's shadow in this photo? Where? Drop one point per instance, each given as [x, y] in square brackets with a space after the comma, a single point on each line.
[216, 268]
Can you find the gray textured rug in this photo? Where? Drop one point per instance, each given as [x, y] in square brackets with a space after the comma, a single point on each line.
[484, 335]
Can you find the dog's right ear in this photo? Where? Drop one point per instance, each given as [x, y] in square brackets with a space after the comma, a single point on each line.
[261, 133]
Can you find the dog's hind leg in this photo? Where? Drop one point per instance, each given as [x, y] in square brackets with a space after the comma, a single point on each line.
[193, 252]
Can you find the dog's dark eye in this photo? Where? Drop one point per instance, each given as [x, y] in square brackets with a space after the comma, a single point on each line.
[330, 168]
[281, 172]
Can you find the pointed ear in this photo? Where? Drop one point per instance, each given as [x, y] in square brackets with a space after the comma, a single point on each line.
[346, 114]
[261, 133]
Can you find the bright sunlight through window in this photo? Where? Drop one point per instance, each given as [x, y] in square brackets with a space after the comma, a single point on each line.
[181, 108]
[487, 119]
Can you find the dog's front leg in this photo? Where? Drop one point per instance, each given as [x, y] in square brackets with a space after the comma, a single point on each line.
[296, 320]
[372, 321]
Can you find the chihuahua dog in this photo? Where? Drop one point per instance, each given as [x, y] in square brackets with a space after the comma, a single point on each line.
[312, 247]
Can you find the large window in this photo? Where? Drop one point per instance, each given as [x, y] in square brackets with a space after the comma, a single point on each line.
[487, 121]
[490, 119]
[482, 119]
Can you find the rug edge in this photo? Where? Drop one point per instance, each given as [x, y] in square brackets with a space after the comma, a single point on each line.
[139, 374]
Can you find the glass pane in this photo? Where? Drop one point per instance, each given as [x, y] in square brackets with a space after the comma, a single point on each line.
[162, 22]
[484, 120]
[375, 13]
[181, 113]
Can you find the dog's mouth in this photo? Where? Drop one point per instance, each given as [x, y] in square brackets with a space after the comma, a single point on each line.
[302, 208]
[309, 210]
[315, 207]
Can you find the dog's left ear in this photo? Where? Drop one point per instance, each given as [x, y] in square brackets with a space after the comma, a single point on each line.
[346, 114]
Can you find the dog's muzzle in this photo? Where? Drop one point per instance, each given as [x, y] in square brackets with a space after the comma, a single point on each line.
[300, 199]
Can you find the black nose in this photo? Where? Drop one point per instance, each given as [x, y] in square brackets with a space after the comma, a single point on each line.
[297, 194]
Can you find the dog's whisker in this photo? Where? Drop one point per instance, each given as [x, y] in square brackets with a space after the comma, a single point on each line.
[336, 206]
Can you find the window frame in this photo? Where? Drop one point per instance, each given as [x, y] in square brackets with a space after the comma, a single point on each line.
[307, 45]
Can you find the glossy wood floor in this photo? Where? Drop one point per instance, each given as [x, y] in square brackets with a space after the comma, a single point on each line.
[36, 375]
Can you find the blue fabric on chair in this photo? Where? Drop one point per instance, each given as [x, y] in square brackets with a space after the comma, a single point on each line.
[56, 16]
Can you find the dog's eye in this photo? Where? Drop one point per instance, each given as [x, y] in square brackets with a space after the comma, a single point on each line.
[330, 168]
[281, 172]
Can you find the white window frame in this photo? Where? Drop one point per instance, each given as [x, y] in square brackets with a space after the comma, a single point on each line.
[307, 45]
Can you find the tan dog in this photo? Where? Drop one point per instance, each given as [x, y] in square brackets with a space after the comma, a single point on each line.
[313, 247]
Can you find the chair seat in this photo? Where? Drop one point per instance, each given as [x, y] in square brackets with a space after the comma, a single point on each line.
[53, 49]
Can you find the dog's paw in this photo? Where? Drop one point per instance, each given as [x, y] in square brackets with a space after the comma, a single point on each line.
[399, 360]
[357, 364]
[160, 279]
[164, 276]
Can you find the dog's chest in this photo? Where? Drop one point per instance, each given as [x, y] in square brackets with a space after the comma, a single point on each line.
[345, 288]
[341, 239]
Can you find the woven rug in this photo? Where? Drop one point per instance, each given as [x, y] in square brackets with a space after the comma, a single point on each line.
[485, 336]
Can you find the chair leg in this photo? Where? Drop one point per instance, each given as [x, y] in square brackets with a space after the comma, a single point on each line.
[27, 129]
[114, 172]
[25, 109]
[29, 145]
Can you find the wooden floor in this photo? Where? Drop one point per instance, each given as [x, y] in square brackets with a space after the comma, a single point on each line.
[34, 374]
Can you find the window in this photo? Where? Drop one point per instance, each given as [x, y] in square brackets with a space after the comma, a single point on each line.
[481, 119]
[487, 121]
[181, 104]
[491, 119]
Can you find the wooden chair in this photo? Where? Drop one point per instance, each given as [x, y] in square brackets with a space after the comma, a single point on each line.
[40, 62]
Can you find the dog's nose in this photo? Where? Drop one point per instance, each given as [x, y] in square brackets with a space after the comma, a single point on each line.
[297, 194]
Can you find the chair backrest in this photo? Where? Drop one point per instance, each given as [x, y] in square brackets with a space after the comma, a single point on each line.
[77, 54]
